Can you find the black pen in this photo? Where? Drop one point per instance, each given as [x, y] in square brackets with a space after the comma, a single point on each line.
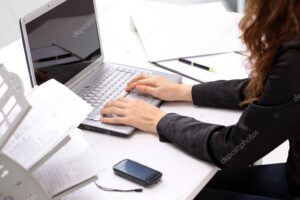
[196, 65]
[176, 72]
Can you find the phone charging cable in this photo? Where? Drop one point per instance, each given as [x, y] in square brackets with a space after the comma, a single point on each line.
[117, 190]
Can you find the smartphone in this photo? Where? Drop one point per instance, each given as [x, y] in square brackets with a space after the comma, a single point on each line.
[137, 172]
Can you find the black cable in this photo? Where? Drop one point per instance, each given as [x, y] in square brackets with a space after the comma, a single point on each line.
[117, 190]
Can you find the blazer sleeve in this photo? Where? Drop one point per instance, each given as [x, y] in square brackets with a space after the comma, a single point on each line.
[220, 94]
[263, 126]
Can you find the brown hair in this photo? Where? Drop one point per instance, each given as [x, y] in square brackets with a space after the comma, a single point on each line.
[266, 25]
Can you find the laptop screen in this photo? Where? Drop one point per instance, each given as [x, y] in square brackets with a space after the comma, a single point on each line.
[64, 41]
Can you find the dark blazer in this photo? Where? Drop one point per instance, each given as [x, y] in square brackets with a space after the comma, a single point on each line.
[263, 126]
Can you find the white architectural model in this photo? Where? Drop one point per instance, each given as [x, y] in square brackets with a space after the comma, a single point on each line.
[42, 154]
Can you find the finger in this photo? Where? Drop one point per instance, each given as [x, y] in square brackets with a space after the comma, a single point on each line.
[139, 77]
[119, 103]
[113, 110]
[147, 90]
[123, 99]
[115, 120]
[149, 82]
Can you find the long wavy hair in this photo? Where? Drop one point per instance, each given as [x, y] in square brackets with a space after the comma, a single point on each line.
[266, 25]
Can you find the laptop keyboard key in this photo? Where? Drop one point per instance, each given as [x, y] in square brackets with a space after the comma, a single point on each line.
[107, 88]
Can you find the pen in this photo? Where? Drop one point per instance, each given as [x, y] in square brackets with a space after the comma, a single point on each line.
[176, 72]
[196, 65]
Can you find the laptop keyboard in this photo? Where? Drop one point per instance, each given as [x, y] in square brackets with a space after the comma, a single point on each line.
[109, 87]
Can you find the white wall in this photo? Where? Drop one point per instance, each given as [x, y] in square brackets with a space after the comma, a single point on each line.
[10, 13]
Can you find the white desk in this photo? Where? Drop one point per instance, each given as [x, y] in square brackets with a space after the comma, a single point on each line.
[183, 175]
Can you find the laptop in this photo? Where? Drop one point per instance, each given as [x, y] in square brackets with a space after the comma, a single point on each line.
[62, 42]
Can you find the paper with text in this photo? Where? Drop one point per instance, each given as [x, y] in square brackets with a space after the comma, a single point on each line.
[55, 110]
[75, 164]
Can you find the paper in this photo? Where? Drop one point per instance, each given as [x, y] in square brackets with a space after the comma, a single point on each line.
[55, 110]
[173, 31]
[228, 66]
[13, 105]
[74, 165]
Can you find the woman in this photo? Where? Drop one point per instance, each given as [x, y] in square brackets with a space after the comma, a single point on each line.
[270, 100]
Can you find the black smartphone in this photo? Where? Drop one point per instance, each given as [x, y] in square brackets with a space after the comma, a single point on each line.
[137, 172]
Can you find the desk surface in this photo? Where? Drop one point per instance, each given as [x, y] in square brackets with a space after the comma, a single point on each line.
[183, 175]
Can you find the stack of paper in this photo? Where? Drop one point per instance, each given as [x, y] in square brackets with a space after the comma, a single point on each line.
[45, 141]
[173, 31]
[71, 168]
[45, 128]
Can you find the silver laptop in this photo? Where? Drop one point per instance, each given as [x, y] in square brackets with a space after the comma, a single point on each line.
[62, 41]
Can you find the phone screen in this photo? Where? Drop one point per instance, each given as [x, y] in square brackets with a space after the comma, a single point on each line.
[136, 170]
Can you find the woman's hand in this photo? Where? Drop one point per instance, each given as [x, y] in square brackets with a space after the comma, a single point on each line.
[161, 88]
[133, 112]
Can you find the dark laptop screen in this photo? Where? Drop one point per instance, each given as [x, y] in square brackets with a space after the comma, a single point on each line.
[64, 41]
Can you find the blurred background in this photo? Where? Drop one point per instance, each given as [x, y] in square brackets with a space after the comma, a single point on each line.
[12, 10]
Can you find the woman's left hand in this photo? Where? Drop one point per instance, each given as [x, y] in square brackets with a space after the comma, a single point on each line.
[133, 112]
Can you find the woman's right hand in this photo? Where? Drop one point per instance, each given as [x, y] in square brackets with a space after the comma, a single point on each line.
[161, 88]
